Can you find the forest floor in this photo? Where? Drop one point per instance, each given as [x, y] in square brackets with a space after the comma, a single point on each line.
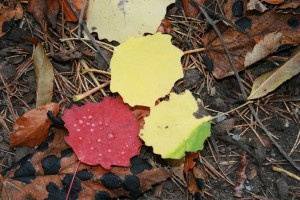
[236, 137]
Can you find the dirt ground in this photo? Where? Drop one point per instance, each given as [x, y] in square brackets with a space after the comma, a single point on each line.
[231, 136]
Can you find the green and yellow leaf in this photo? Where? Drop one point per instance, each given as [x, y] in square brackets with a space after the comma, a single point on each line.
[172, 129]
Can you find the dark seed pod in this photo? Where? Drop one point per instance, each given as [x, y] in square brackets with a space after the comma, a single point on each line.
[198, 196]
[200, 183]
[293, 22]
[66, 153]
[26, 172]
[55, 120]
[102, 195]
[84, 175]
[138, 165]
[76, 187]
[208, 63]
[51, 164]
[132, 184]
[111, 181]
[244, 23]
[55, 193]
[237, 8]
[44, 146]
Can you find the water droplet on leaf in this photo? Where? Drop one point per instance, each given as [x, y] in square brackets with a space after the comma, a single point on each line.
[110, 136]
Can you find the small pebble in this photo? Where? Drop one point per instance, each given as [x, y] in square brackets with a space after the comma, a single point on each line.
[236, 137]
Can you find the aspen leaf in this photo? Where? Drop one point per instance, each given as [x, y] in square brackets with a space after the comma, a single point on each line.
[120, 19]
[270, 81]
[44, 76]
[145, 69]
[104, 133]
[172, 129]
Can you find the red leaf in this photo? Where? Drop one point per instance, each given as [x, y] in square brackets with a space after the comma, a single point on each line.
[104, 133]
[32, 128]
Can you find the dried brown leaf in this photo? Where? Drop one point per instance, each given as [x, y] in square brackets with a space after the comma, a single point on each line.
[33, 127]
[44, 76]
[10, 11]
[44, 11]
[240, 44]
[268, 45]
[39, 178]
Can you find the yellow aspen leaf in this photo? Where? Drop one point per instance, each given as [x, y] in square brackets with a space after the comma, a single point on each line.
[145, 69]
[172, 128]
[120, 19]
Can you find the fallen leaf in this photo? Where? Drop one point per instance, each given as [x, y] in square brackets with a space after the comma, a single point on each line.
[145, 69]
[190, 8]
[271, 80]
[239, 44]
[32, 128]
[47, 175]
[256, 5]
[268, 45]
[189, 162]
[44, 76]
[140, 112]
[44, 11]
[289, 5]
[196, 179]
[275, 2]
[68, 12]
[282, 186]
[120, 19]
[10, 12]
[104, 133]
[173, 122]
[234, 9]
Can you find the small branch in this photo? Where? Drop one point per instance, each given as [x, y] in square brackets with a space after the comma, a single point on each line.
[88, 93]
[290, 174]
[225, 113]
[96, 71]
[81, 17]
[194, 50]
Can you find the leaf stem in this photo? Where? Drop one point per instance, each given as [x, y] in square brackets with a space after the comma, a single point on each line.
[73, 178]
